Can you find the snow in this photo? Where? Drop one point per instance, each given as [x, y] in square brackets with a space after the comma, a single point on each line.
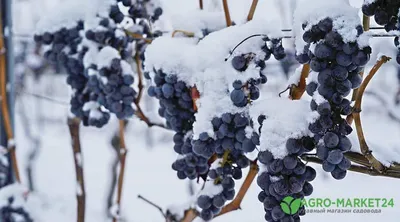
[11, 143]
[115, 210]
[294, 115]
[368, 2]
[295, 77]
[105, 56]
[198, 20]
[13, 190]
[78, 157]
[70, 13]
[79, 190]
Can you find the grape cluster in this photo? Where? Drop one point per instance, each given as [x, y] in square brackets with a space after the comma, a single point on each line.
[245, 92]
[190, 165]
[97, 60]
[142, 9]
[64, 47]
[112, 83]
[176, 104]
[285, 177]
[338, 65]
[142, 13]
[386, 13]
[110, 76]
[223, 177]
[230, 144]
[230, 134]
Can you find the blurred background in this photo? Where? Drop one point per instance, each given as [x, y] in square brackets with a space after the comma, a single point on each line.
[46, 158]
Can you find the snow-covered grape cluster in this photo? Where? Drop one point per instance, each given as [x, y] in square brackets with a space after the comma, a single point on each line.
[285, 177]
[338, 64]
[142, 13]
[244, 93]
[176, 106]
[64, 48]
[386, 13]
[97, 55]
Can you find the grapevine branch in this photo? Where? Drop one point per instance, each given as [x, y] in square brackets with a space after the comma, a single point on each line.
[116, 144]
[186, 33]
[359, 169]
[122, 160]
[144, 118]
[195, 96]
[73, 125]
[357, 119]
[152, 204]
[140, 76]
[227, 14]
[252, 10]
[138, 36]
[296, 91]
[366, 27]
[5, 109]
[139, 112]
[235, 204]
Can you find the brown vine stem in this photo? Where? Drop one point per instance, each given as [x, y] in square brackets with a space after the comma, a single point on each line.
[122, 159]
[297, 91]
[139, 113]
[73, 125]
[5, 109]
[252, 10]
[186, 33]
[358, 169]
[195, 96]
[152, 204]
[190, 215]
[140, 75]
[138, 36]
[366, 27]
[235, 204]
[201, 4]
[227, 14]
[357, 119]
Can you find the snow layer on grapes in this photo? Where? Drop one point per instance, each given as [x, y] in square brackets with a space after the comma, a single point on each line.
[71, 12]
[295, 78]
[345, 20]
[203, 65]
[198, 20]
[285, 119]
[16, 191]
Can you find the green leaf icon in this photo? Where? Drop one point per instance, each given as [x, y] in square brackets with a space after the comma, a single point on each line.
[295, 206]
[290, 205]
[285, 208]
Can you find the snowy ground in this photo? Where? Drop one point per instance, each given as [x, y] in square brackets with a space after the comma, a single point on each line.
[150, 152]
